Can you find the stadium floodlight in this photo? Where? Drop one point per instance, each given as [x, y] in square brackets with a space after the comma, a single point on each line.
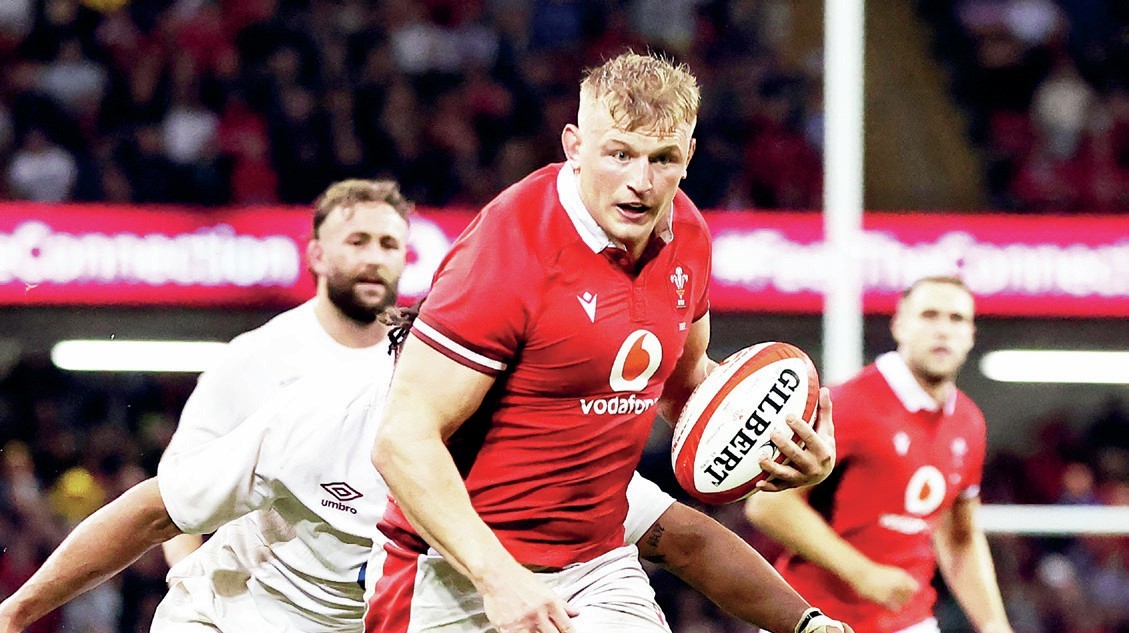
[1056, 366]
[135, 356]
[1057, 520]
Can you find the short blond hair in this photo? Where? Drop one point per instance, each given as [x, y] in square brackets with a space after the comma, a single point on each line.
[643, 92]
[347, 193]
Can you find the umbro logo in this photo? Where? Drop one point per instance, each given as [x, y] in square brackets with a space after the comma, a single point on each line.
[588, 302]
[342, 492]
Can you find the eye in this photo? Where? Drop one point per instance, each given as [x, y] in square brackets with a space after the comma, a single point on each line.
[619, 155]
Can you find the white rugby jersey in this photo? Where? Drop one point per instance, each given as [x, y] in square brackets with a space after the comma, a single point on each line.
[293, 498]
[256, 365]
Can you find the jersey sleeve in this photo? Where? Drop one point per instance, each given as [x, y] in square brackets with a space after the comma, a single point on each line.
[483, 294]
[646, 502]
[976, 455]
[702, 300]
[849, 428]
[210, 484]
[225, 395]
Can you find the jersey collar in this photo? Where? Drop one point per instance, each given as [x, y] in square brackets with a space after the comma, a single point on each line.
[568, 192]
[914, 398]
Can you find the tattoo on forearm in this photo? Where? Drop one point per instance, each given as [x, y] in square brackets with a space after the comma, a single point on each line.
[655, 535]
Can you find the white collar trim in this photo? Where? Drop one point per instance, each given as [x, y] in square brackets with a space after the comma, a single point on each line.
[914, 398]
[568, 192]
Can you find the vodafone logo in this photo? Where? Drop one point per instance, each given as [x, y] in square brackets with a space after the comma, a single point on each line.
[638, 359]
[925, 492]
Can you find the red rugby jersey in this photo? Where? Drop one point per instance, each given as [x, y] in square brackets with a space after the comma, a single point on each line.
[581, 342]
[901, 462]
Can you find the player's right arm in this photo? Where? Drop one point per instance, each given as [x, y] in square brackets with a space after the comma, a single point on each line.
[430, 397]
[222, 399]
[102, 545]
[788, 518]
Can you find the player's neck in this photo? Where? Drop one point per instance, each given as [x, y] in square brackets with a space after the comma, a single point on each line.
[346, 331]
[939, 390]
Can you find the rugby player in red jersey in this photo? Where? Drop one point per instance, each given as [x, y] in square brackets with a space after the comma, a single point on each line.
[903, 499]
[572, 310]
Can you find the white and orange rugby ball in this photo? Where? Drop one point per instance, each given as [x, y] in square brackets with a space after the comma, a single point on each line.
[725, 428]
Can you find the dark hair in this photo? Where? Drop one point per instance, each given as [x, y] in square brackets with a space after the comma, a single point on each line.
[347, 193]
[952, 280]
[400, 322]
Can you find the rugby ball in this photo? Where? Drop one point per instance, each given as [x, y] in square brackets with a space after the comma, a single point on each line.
[725, 428]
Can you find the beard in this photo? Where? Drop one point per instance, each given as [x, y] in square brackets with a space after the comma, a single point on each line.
[342, 293]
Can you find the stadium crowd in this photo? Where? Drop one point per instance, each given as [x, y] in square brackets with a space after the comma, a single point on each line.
[265, 101]
[1047, 92]
[261, 101]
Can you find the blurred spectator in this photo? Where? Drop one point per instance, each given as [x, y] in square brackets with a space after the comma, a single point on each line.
[74, 81]
[1061, 108]
[41, 171]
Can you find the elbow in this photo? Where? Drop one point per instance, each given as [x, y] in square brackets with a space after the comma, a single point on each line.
[382, 451]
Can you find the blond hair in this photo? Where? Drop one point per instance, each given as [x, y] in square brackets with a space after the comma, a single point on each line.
[347, 193]
[643, 92]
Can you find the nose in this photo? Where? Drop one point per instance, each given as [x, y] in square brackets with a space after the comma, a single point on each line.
[375, 255]
[641, 174]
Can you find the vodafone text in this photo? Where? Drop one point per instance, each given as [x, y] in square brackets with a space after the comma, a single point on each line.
[742, 443]
[617, 405]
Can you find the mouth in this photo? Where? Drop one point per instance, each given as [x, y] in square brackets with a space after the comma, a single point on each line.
[633, 210]
[370, 284]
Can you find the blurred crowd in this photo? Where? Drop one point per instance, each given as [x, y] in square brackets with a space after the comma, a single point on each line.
[211, 102]
[1046, 85]
[70, 442]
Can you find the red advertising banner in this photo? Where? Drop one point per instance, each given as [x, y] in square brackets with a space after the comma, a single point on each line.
[763, 262]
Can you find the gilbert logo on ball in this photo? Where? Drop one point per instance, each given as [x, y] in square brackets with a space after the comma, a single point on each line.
[725, 428]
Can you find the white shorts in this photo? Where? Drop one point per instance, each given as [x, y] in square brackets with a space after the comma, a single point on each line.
[611, 592]
[177, 614]
[925, 626]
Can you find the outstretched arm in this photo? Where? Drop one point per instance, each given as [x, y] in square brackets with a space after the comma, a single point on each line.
[105, 543]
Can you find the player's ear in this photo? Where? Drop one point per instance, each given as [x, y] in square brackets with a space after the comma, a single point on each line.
[570, 142]
[895, 323]
[315, 255]
[689, 155]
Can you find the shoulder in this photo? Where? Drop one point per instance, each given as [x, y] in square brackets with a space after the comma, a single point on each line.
[866, 385]
[688, 215]
[280, 330]
[969, 411]
[518, 221]
[525, 207]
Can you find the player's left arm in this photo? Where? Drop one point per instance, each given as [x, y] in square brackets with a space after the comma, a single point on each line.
[724, 568]
[100, 546]
[966, 564]
[810, 458]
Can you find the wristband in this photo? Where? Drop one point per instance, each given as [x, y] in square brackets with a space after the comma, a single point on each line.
[813, 620]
